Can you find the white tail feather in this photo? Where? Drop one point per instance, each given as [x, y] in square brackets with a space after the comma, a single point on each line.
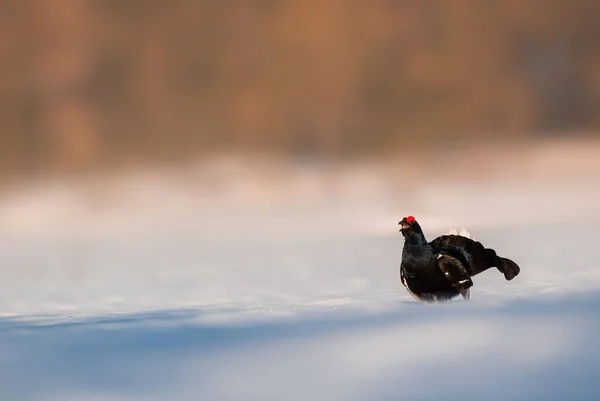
[463, 233]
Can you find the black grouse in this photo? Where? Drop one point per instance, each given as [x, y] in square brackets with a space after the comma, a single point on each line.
[440, 270]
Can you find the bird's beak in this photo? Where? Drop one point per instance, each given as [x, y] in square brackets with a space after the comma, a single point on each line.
[403, 225]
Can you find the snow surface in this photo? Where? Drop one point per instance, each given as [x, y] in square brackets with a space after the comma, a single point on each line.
[163, 287]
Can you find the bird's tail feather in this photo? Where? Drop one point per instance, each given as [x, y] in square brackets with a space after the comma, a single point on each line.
[508, 267]
[463, 233]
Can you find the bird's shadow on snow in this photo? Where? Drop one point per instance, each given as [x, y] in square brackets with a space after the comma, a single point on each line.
[522, 349]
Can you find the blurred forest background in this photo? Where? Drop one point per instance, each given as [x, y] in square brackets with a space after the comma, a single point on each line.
[93, 83]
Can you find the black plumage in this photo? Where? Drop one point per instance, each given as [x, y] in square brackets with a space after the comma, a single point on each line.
[440, 270]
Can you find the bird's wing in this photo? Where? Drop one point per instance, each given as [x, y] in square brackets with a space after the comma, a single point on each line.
[456, 273]
[472, 254]
[405, 284]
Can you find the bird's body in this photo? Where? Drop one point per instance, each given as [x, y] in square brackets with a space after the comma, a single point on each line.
[440, 270]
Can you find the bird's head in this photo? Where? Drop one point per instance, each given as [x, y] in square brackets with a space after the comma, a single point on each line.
[409, 226]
